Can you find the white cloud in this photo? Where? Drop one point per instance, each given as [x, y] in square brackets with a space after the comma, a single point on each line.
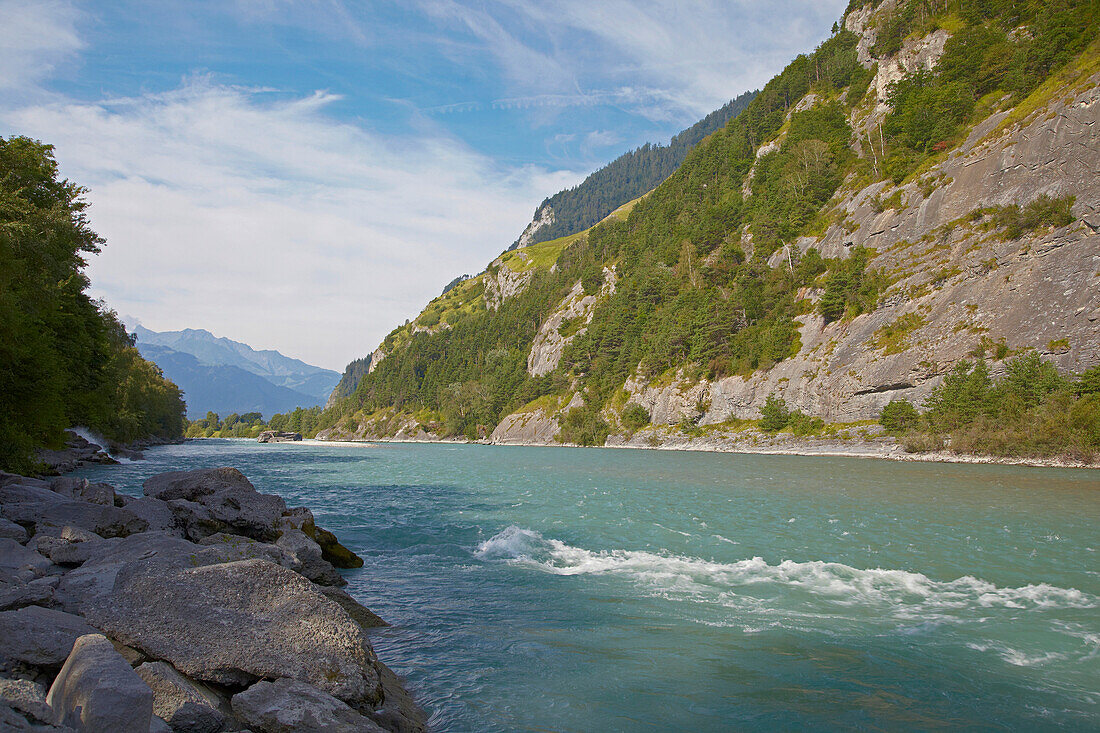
[262, 219]
[35, 37]
[664, 59]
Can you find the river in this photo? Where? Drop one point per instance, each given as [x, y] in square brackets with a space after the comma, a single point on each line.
[573, 589]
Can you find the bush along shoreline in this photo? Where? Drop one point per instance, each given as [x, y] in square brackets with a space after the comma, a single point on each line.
[1030, 411]
[203, 605]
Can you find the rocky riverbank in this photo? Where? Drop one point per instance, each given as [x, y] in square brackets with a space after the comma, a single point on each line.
[202, 606]
[80, 451]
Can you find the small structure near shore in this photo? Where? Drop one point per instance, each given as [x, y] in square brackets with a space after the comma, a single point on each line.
[275, 436]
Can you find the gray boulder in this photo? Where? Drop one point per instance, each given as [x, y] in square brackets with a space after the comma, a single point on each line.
[222, 547]
[77, 553]
[106, 521]
[292, 706]
[38, 592]
[366, 618]
[83, 490]
[237, 622]
[187, 706]
[308, 558]
[27, 698]
[35, 639]
[12, 721]
[9, 530]
[229, 497]
[97, 690]
[156, 513]
[96, 577]
[15, 558]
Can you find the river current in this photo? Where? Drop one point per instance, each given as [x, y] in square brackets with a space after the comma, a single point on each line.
[567, 589]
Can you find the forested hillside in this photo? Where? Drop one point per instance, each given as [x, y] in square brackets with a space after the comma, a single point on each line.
[64, 359]
[623, 179]
[889, 206]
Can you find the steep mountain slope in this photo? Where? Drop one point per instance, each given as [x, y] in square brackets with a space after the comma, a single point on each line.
[227, 376]
[918, 191]
[623, 179]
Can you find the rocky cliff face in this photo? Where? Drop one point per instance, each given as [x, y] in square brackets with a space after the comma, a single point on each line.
[954, 281]
[544, 217]
[958, 286]
[574, 313]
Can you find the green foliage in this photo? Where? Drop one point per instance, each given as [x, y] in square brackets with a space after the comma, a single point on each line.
[803, 425]
[899, 416]
[1030, 411]
[893, 338]
[774, 415]
[1089, 382]
[1001, 48]
[64, 359]
[628, 176]
[1044, 211]
[849, 288]
[686, 295]
[634, 417]
[584, 426]
[592, 279]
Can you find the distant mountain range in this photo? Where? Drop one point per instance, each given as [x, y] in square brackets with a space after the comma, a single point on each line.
[228, 376]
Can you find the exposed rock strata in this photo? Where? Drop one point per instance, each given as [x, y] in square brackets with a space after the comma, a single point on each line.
[549, 343]
[208, 588]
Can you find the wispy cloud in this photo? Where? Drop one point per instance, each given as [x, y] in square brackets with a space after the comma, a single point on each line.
[35, 37]
[265, 220]
[662, 58]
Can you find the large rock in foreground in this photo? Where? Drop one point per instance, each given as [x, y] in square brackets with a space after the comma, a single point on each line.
[234, 623]
[98, 691]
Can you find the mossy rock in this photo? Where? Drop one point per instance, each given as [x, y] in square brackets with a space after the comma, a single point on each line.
[332, 550]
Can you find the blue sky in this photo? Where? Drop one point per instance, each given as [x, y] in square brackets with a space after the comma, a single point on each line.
[306, 175]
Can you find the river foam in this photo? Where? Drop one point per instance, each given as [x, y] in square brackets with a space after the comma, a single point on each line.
[834, 582]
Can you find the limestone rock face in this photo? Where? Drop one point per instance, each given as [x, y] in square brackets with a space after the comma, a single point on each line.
[549, 343]
[234, 623]
[230, 499]
[97, 690]
[668, 404]
[526, 428]
[544, 217]
[504, 284]
[292, 706]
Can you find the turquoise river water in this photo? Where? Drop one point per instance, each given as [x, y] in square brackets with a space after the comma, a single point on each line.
[563, 589]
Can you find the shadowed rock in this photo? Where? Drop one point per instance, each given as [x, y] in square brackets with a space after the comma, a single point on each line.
[309, 559]
[35, 637]
[292, 706]
[27, 698]
[14, 558]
